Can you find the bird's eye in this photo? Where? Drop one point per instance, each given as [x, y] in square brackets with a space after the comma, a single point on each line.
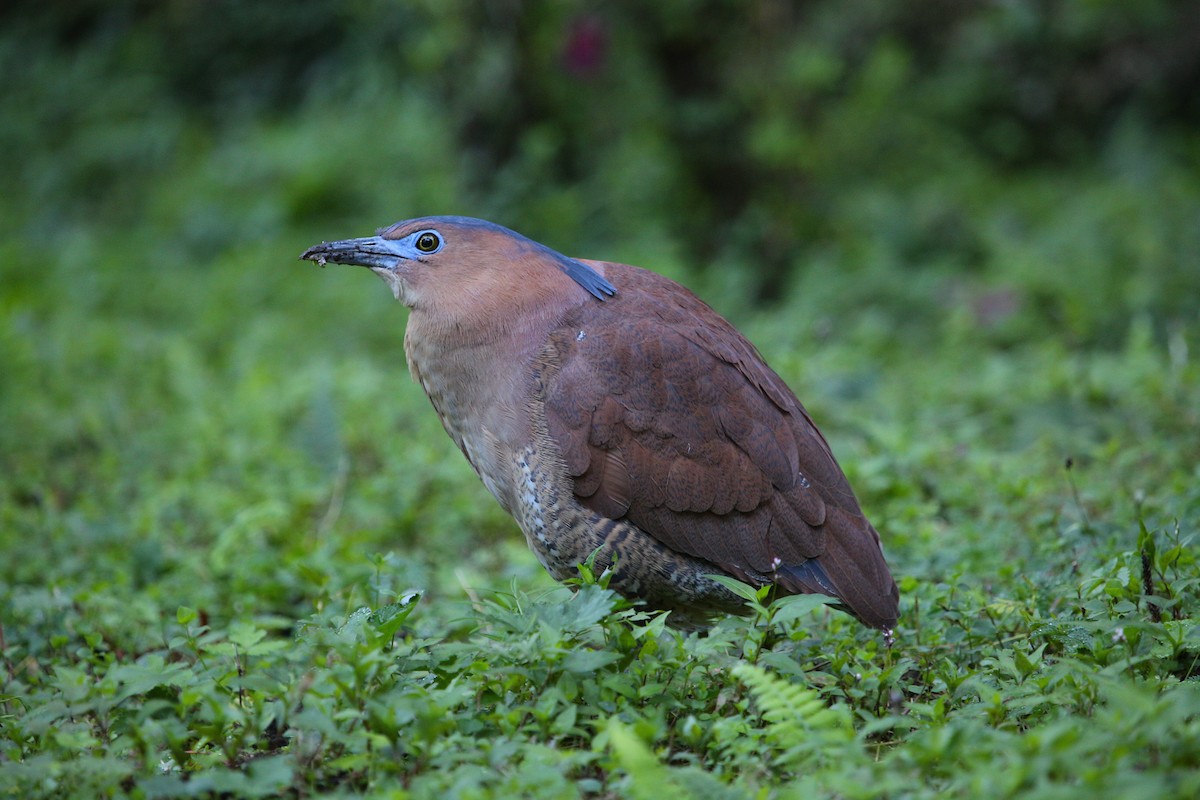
[428, 242]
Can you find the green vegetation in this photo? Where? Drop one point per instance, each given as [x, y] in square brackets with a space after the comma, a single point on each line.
[240, 558]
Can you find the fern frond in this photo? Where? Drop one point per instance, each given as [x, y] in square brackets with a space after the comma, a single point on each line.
[798, 720]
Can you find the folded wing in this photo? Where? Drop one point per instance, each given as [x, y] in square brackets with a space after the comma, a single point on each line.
[667, 416]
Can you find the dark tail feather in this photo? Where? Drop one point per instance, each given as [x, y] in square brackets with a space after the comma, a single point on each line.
[851, 569]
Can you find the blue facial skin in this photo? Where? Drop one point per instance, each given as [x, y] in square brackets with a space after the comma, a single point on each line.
[577, 271]
[379, 252]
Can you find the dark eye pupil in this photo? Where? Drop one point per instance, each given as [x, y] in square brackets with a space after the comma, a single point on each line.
[427, 242]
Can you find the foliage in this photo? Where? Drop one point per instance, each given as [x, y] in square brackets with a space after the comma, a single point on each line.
[238, 556]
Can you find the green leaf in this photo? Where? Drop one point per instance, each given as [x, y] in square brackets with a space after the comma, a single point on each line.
[649, 779]
[390, 618]
[245, 635]
[147, 674]
[742, 590]
[787, 610]
[586, 662]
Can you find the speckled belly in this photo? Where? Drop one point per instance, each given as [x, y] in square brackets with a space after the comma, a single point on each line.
[563, 534]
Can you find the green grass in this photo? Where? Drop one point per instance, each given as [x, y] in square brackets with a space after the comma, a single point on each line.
[218, 480]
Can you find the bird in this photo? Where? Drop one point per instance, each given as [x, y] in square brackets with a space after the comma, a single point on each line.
[617, 417]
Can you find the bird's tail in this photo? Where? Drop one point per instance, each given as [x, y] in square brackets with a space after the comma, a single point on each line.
[852, 569]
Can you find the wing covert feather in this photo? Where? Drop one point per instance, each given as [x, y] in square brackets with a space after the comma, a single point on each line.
[666, 415]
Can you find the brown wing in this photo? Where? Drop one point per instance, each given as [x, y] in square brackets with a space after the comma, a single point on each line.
[668, 416]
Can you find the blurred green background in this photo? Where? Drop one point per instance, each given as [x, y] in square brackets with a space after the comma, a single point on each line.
[927, 216]
[912, 159]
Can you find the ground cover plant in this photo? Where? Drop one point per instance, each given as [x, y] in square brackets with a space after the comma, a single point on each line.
[239, 557]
